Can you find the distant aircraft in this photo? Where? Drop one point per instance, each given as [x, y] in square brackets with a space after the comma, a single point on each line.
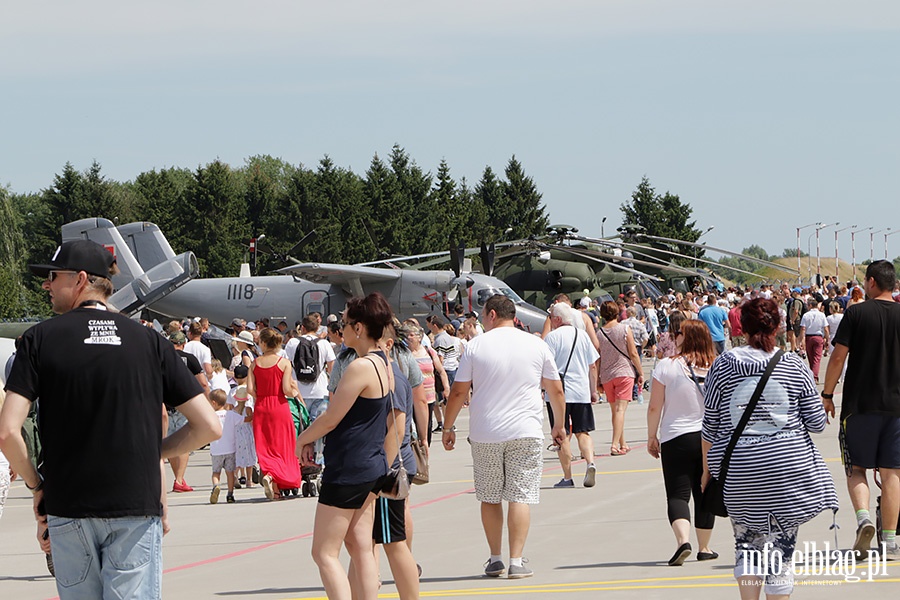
[303, 288]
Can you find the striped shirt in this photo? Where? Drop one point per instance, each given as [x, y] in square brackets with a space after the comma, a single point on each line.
[775, 469]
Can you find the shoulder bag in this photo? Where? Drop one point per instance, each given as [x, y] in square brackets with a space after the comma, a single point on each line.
[713, 500]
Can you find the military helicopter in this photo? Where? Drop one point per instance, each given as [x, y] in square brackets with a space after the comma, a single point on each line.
[295, 291]
[538, 268]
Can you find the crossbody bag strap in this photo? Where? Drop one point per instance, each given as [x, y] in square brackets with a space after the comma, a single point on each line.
[745, 418]
[391, 396]
[694, 377]
[571, 352]
[613, 344]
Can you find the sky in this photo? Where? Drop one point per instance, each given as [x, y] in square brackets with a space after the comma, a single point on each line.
[763, 115]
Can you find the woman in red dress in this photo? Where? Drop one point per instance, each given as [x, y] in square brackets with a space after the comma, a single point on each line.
[270, 383]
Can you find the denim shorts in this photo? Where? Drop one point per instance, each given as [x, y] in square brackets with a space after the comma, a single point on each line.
[101, 558]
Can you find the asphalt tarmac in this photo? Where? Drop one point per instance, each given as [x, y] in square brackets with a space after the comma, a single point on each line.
[610, 541]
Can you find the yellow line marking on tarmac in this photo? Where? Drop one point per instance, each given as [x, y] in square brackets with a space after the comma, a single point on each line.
[600, 586]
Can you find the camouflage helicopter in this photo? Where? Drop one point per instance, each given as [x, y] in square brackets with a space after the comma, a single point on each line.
[538, 268]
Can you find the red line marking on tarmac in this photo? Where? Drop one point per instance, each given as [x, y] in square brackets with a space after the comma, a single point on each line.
[238, 553]
[216, 559]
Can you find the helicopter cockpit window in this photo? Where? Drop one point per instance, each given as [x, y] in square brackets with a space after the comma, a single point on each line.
[484, 294]
[679, 284]
[650, 290]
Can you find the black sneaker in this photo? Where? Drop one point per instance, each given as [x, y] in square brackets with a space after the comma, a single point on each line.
[242, 480]
[438, 429]
[230, 499]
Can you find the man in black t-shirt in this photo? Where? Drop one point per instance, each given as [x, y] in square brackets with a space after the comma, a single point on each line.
[102, 380]
[870, 411]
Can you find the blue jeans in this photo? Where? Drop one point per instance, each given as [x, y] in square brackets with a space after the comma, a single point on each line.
[107, 558]
[315, 407]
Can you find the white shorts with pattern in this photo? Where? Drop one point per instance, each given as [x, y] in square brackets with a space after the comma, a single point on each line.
[508, 471]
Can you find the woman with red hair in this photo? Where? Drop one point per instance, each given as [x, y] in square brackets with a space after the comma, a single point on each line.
[674, 421]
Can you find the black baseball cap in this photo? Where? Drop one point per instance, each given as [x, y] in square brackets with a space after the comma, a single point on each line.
[80, 255]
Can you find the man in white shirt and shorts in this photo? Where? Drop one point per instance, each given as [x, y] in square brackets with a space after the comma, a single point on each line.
[507, 368]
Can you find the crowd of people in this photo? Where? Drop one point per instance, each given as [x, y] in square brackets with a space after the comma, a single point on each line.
[733, 397]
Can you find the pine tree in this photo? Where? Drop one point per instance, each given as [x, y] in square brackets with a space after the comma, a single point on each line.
[665, 216]
[219, 230]
[489, 193]
[523, 210]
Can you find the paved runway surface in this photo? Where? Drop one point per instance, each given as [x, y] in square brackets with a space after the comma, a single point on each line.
[611, 541]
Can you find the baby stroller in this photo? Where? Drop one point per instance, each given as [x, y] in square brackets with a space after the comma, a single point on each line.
[309, 474]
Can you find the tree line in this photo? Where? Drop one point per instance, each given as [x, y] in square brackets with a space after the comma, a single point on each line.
[394, 208]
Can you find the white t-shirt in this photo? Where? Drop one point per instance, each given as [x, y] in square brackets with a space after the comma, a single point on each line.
[319, 388]
[683, 409]
[577, 376]
[4, 464]
[833, 320]
[814, 321]
[449, 348]
[200, 351]
[219, 381]
[225, 444]
[505, 366]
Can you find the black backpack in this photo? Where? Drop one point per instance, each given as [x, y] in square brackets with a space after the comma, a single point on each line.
[306, 360]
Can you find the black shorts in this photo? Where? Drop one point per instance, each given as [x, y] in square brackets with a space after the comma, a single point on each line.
[348, 496]
[871, 441]
[796, 329]
[579, 417]
[390, 521]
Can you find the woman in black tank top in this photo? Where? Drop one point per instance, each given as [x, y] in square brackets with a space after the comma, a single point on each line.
[358, 409]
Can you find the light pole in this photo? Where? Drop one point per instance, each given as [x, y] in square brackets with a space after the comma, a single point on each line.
[818, 261]
[837, 264]
[697, 250]
[872, 242]
[603, 235]
[886, 236]
[809, 255]
[798, 247]
[853, 250]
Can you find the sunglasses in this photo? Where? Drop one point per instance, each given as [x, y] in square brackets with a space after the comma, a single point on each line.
[54, 274]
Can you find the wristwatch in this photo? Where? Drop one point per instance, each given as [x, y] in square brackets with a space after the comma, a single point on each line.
[448, 429]
[38, 487]
[827, 396]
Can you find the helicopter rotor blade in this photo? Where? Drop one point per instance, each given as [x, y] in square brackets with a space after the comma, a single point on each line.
[722, 251]
[612, 264]
[656, 264]
[303, 241]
